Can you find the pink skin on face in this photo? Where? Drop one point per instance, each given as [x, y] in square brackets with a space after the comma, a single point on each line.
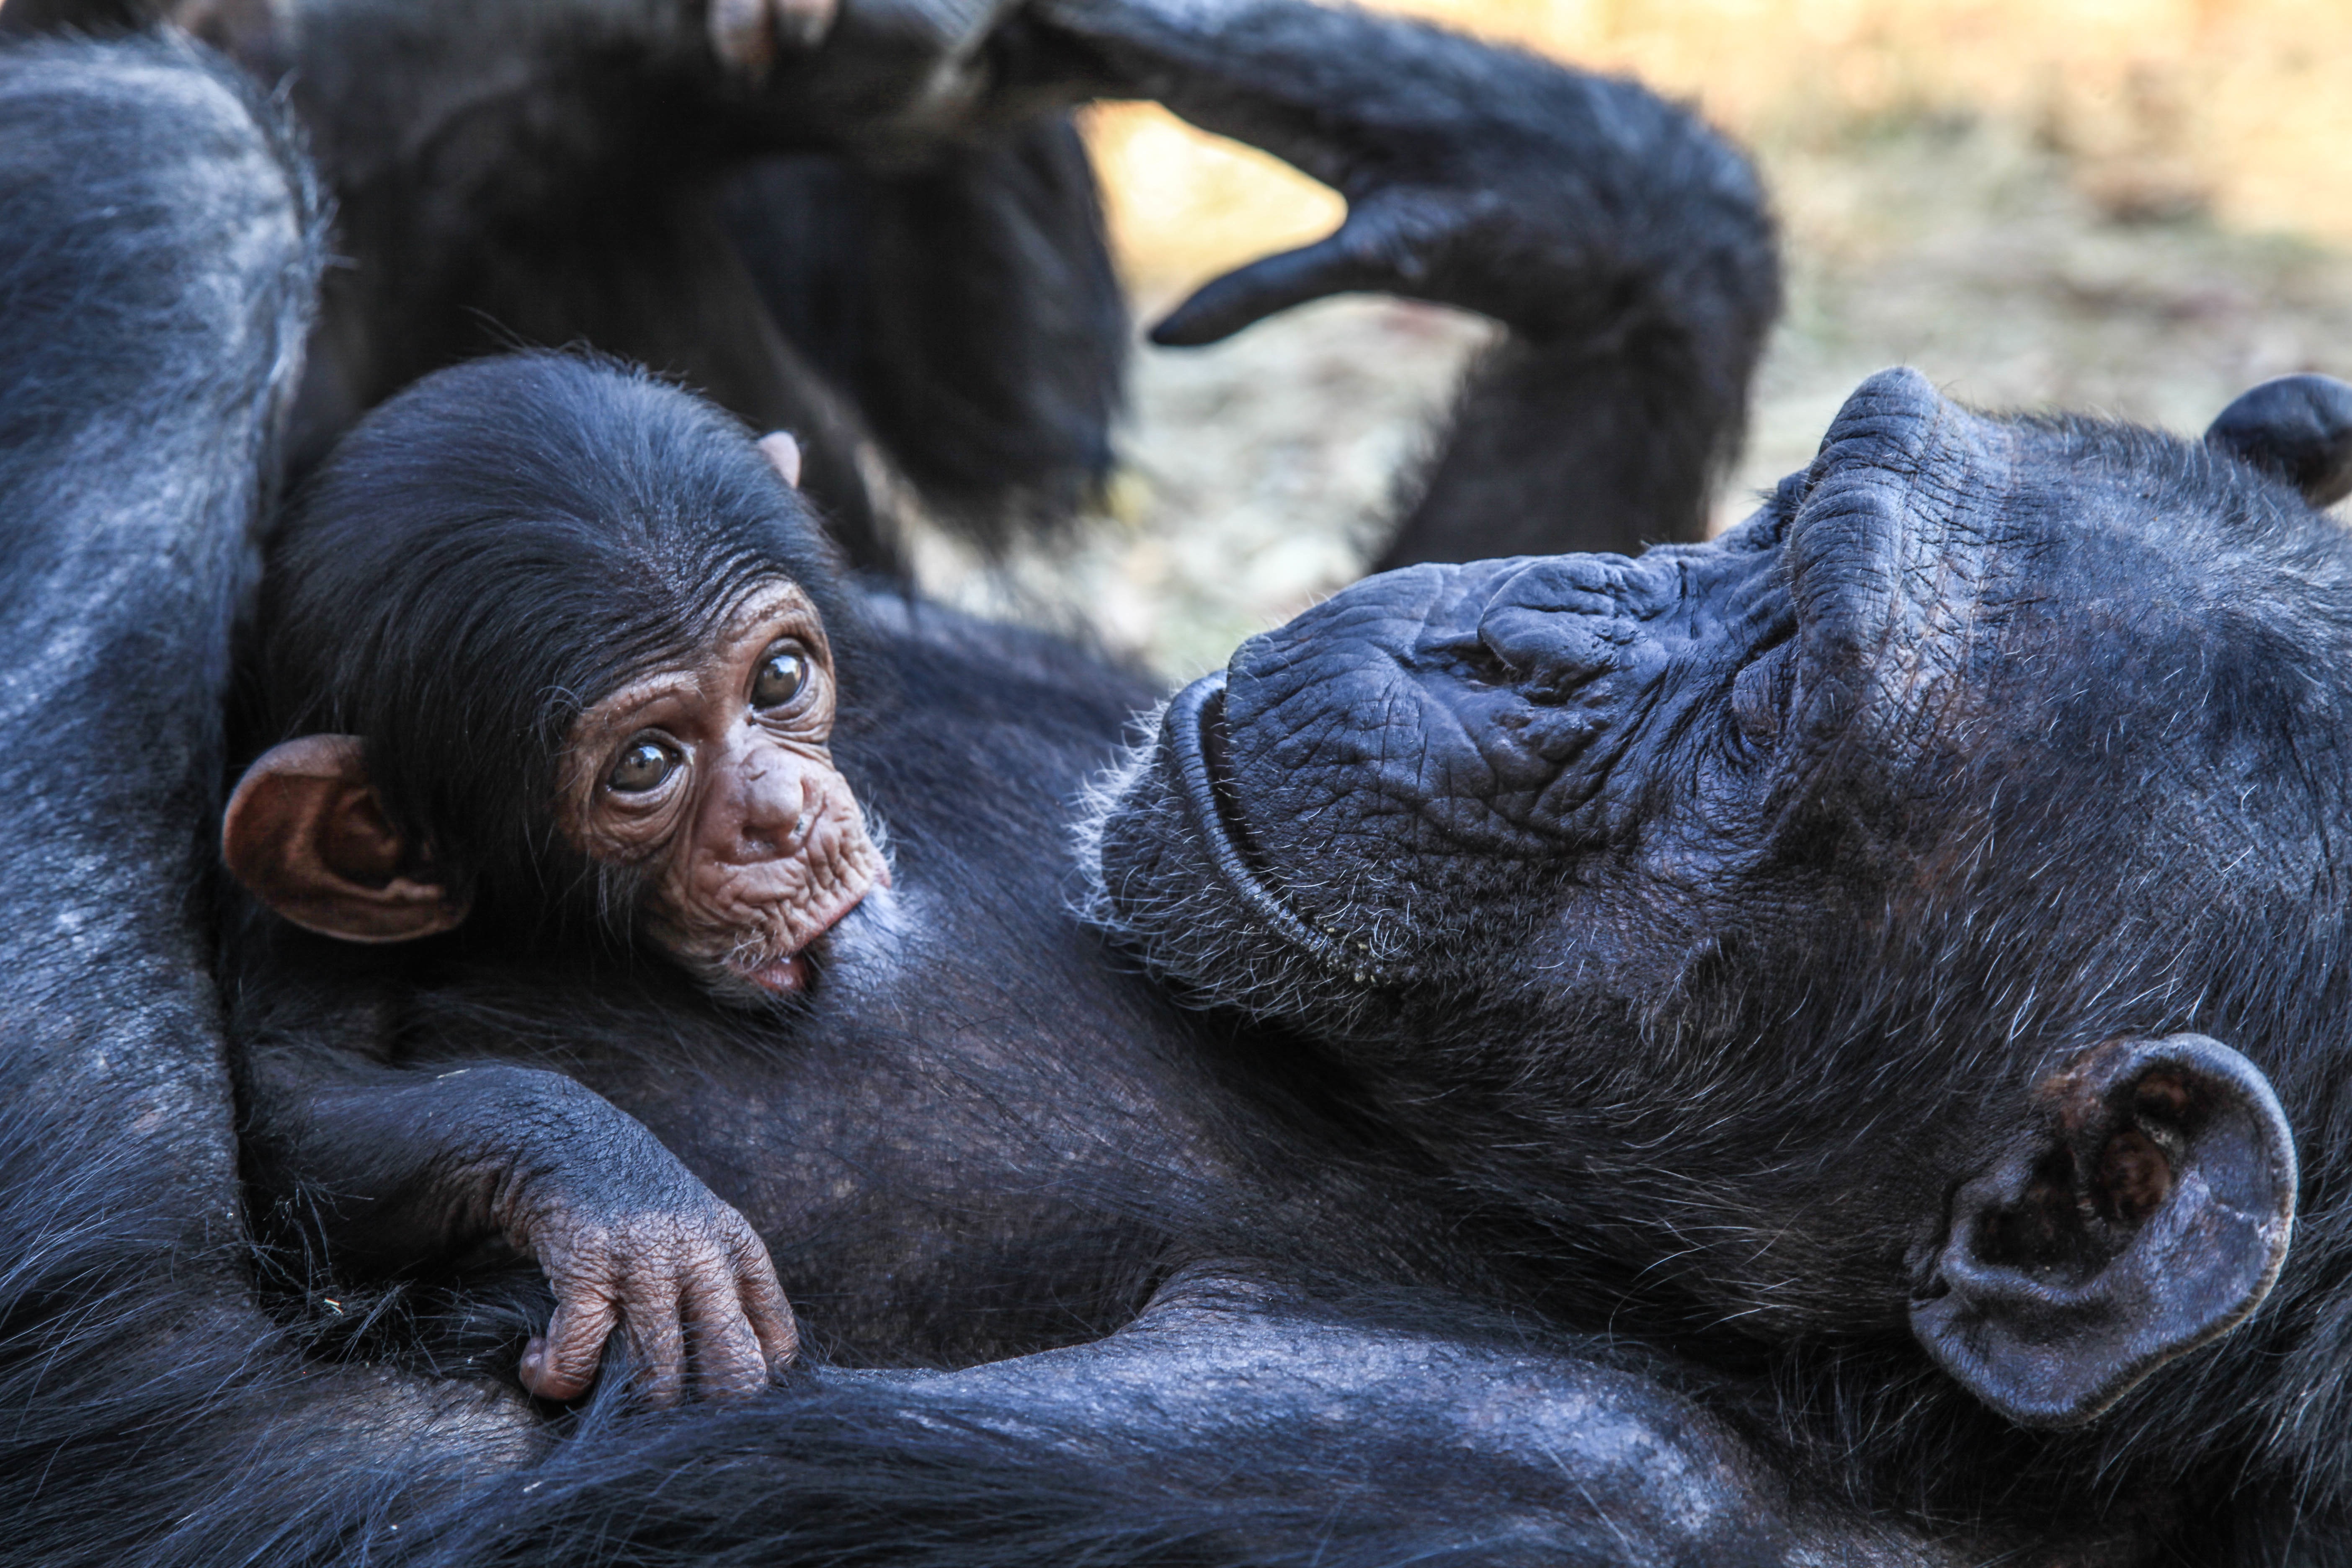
[715, 774]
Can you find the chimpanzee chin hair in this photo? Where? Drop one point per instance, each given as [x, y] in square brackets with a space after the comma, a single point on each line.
[488, 554]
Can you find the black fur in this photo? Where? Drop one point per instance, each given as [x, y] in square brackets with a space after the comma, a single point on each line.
[1987, 741]
[1984, 742]
[157, 1414]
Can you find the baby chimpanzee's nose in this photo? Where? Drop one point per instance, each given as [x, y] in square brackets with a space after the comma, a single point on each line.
[770, 797]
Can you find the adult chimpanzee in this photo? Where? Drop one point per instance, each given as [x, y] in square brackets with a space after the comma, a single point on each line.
[1806, 923]
[548, 643]
[891, 243]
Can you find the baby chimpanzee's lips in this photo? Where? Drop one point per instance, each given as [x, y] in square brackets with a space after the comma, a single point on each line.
[1194, 733]
[784, 974]
[780, 976]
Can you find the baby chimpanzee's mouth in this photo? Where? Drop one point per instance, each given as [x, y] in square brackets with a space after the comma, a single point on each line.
[780, 976]
[1197, 744]
[775, 958]
[760, 964]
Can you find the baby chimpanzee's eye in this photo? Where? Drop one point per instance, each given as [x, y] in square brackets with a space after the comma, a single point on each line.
[643, 765]
[782, 675]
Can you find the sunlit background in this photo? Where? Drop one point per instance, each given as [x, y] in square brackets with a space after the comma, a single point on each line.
[2139, 206]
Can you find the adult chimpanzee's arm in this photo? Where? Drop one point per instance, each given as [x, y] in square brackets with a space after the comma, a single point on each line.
[1624, 244]
[157, 254]
[392, 1168]
[1233, 1423]
[156, 268]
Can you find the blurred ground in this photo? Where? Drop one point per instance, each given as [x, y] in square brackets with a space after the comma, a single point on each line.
[2137, 206]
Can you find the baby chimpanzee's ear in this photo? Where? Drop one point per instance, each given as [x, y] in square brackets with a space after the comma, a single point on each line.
[2140, 1208]
[306, 834]
[783, 455]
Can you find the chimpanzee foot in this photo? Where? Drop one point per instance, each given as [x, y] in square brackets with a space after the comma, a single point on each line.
[692, 1294]
[748, 35]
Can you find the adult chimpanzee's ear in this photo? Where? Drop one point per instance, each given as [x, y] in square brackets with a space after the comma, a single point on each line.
[783, 455]
[306, 834]
[2297, 427]
[2143, 1210]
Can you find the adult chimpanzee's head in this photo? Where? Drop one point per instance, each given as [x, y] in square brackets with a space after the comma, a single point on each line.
[554, 639]
[1818, 915]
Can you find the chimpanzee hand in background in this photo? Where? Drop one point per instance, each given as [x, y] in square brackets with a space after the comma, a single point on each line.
[1624, 244]
[892, 73]
[1475, 177]
[397, 1169]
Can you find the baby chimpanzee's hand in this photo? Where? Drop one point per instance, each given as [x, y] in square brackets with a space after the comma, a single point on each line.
[631, 1241]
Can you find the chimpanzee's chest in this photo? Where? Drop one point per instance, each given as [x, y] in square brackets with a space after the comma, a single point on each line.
[966, 1141]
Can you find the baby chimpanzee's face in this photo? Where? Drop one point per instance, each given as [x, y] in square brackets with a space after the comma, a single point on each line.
[712, 778]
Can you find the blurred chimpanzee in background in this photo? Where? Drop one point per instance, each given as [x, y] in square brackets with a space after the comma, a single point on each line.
[879, 229]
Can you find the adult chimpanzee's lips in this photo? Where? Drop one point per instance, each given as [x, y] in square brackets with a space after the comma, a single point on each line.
[1193, 732]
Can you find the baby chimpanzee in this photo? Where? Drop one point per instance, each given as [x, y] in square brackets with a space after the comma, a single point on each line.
[544, 649]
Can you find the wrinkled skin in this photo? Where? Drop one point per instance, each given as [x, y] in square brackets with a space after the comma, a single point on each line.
[631, 1243]
[723, 796]
[647, 1252]
[1745, 910]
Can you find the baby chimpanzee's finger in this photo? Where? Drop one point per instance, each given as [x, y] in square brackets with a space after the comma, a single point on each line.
[656, 1346]
[727, 1360]
[764, 1305]
[561, 1363]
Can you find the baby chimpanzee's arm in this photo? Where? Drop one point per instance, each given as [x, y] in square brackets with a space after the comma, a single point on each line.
[391, 1166]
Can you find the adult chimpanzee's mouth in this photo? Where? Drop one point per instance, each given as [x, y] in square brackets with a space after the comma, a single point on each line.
[1194, 729]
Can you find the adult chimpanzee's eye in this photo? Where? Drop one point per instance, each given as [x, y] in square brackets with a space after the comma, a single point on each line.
[782, 675]
[643, 765]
